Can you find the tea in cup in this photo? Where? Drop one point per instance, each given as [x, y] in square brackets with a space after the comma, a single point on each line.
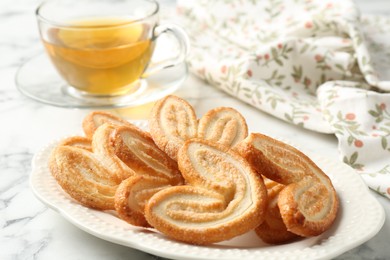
[102, 48]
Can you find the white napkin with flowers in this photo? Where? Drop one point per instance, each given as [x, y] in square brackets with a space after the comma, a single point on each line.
[317, 64]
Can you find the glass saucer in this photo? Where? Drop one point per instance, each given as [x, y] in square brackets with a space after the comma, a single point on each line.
[38, 79]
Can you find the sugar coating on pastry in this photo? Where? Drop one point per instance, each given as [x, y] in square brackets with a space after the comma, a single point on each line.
[83, 177]
[223, 125]
[172, 122]
[103, 148]
[223, 196]
[132, 195]
[309, 203]
[77, 141]
[129, 149]
[138, 151]
[95, 119]
[217, 194]
[273, 230]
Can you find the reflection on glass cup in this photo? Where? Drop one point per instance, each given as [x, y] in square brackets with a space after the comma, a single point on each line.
[102, 48]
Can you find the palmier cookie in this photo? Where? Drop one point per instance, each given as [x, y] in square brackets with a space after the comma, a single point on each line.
[77, 141]
[223, 198]
[223, 125]
[138, 151]
[154, 170]
[103, 147]
[172, 122]
[83, 177]
[273, 230]
[97, 118]
[308, 204]
[126, 147]
[132, 195]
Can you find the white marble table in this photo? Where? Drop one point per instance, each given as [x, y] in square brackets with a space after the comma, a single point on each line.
[30, 230]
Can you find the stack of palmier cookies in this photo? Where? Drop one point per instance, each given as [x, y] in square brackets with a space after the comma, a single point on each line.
[200, 181]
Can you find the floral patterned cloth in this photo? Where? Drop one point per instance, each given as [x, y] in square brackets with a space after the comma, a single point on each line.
[316, 64]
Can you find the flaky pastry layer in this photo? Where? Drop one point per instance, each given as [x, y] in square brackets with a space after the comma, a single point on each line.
[138, 151]
[223, 196]
[172, 122]
[103, 148]
[83, 177]
[308, 204]
[132, 196]
[77, 141]
[273, 230]
[223, 125]
[93, 120]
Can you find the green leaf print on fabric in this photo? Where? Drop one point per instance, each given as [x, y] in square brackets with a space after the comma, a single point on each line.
[314, 64]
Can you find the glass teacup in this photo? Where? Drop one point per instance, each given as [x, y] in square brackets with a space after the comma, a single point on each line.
[103, 48]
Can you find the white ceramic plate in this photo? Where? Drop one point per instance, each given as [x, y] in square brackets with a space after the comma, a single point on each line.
[359, 219]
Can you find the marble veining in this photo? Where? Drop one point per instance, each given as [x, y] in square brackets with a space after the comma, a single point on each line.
[29, 229]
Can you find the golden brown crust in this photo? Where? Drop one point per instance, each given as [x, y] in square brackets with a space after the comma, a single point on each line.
[308, 207]
[81, 175]
[132, 195]
[223, 125]
[138, 151]
[224, 195]
[172, 122]
[223, 198]
[103, 148]
[193, 216]
[309, 203]
[97, 118]
[77, 141]
[127, 155]
[273, 158]
[273, 230]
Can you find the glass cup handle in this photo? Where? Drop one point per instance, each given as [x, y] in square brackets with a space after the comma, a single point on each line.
[184, 45]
